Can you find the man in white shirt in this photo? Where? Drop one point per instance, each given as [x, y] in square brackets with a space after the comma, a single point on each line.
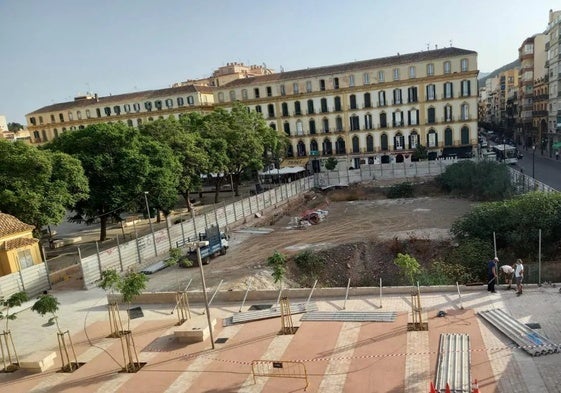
[518, 276]
[508, 272]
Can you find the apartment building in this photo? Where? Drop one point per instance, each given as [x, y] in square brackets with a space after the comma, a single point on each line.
[367, 111]
[553, 67]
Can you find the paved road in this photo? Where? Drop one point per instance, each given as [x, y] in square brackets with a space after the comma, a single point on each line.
[545, 169]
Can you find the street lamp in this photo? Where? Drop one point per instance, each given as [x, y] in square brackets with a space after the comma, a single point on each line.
[150, 222]
[534, 161]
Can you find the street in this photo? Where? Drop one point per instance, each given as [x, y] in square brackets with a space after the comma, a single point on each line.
[545, 169]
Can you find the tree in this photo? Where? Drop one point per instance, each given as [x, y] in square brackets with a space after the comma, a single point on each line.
[14, 127]
[39, 186]
[278, 262]
[15, 300]
[183, 138]
[420, 153]
[120, 165]
[48, 304]
[331, 163]
[408, 266]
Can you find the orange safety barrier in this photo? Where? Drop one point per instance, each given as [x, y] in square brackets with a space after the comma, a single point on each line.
[432, 389]
[475, 387]
[447, 388]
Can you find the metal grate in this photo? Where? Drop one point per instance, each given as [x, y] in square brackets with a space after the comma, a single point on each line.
[221, 340]
[350, 316]
[273, 312]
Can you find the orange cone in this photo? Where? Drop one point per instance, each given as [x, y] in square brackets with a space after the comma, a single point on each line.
[447, 388]
[475, 387]
[432, 389]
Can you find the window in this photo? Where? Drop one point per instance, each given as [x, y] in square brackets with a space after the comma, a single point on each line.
[465, 112]
[413, 117]
[325, 125]
[367, 100]
[381, 77]
[70, 116]
[448, 140]
[335, 83]
[232, 95]
[412, 94]
[52, 118]
[271, 110]
[430, 69]
[258, 108]
[466, 88]
[60, 116]
[40, 119]
[138, 121]
[464, 136]
[286, 127]
[169, 103]
[351, 80]
[383, 120]
[447, 67]
[356, 145]
[256, 92]
[368, 122]
[32, 120]
[56, 132]
[413, 140]
[136, 107]
[282, 90]
[308, 86]
[339, 124]
[464, 65]
[129, 123]
[244, 94]
[352, 100]
[412, 72]
[397, 97]
[448, 91]
[98, 112]
[158, 104]
[295, 88]
[399, 141]
[354, 121]
[273, 126]
[180, 101]
[382, 98]
[127, 108]
[384, 142]
[432, 139]
[431, 116]
[311, 110]
[448, 113]
[397, 119]
[79, 115]
[337, 103]
[220, 96]
[269, 91]
[322, 84]
[396, 74]
[284, 109]
[88, 114]
[369, 143]
[25, 259]
[431, 93]
[324, 105]
[107, 111]
[366, 78]
[297, 109]
[312, 126]
[190, 100]
[299, 128]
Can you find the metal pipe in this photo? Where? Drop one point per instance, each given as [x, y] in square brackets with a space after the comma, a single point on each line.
[245, 297]
[347, 294]
[311, 292]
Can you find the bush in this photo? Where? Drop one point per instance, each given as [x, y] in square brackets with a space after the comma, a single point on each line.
[310, 263]
[408, 266]
[401, 190]
[473, 254]
[185, 261]
[444, 273]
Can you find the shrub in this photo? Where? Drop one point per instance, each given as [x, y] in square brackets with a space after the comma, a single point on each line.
[309, 263]
[444, 273]
[472, 254]
[278, 262]
[408, 266]
[401, 190]
[185, 261]
[174, 256]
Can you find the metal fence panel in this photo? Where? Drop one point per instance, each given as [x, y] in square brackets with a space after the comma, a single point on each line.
[90, 270]
[10, 284]
[110, 259]
[35, 279]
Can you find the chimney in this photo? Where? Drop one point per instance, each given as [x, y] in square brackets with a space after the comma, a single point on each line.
[96, 98]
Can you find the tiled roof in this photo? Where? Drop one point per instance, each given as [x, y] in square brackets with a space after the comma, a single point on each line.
[136, 96]
[10, 225]
[354, 66]
[17, 243]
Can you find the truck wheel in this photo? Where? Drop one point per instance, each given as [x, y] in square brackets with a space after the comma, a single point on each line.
[223, 251]
[206, 261]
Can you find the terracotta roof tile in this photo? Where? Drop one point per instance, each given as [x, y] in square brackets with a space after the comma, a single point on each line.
[17, 243]
[10, 225]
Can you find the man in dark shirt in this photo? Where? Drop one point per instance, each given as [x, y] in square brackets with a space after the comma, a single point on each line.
[492, 274]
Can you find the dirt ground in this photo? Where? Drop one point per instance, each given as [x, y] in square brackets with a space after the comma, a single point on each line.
[353, 240]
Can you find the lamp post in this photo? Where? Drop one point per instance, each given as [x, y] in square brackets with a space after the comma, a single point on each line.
[150, 222]
[534, 161]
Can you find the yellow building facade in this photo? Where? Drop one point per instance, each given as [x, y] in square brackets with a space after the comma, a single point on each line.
[18, 248]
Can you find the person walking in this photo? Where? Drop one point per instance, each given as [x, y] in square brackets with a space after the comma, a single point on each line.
[519, 276]
[492, 274]
[508, 272]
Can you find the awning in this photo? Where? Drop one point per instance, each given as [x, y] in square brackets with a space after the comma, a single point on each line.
[300, 161]
[556, 145]
[283, 171]
[460, 151]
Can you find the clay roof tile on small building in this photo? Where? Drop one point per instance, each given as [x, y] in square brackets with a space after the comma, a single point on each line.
[18, 243]
[10, 225]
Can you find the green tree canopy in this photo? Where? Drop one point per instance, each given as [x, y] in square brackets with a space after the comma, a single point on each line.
[38, 186]
[121, 165]
[14, 127]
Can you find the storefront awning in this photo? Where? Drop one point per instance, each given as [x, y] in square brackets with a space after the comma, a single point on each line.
[300, 161]
[460, 151]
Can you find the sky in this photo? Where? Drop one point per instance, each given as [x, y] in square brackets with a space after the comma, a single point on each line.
[52, 51]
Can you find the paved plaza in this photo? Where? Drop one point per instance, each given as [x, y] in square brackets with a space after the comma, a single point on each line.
[337, 356]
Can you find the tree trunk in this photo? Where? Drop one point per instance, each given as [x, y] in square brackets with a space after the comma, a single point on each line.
[187, 197]
[103, 231]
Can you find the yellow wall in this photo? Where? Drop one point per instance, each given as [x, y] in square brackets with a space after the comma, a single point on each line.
[9, 259]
